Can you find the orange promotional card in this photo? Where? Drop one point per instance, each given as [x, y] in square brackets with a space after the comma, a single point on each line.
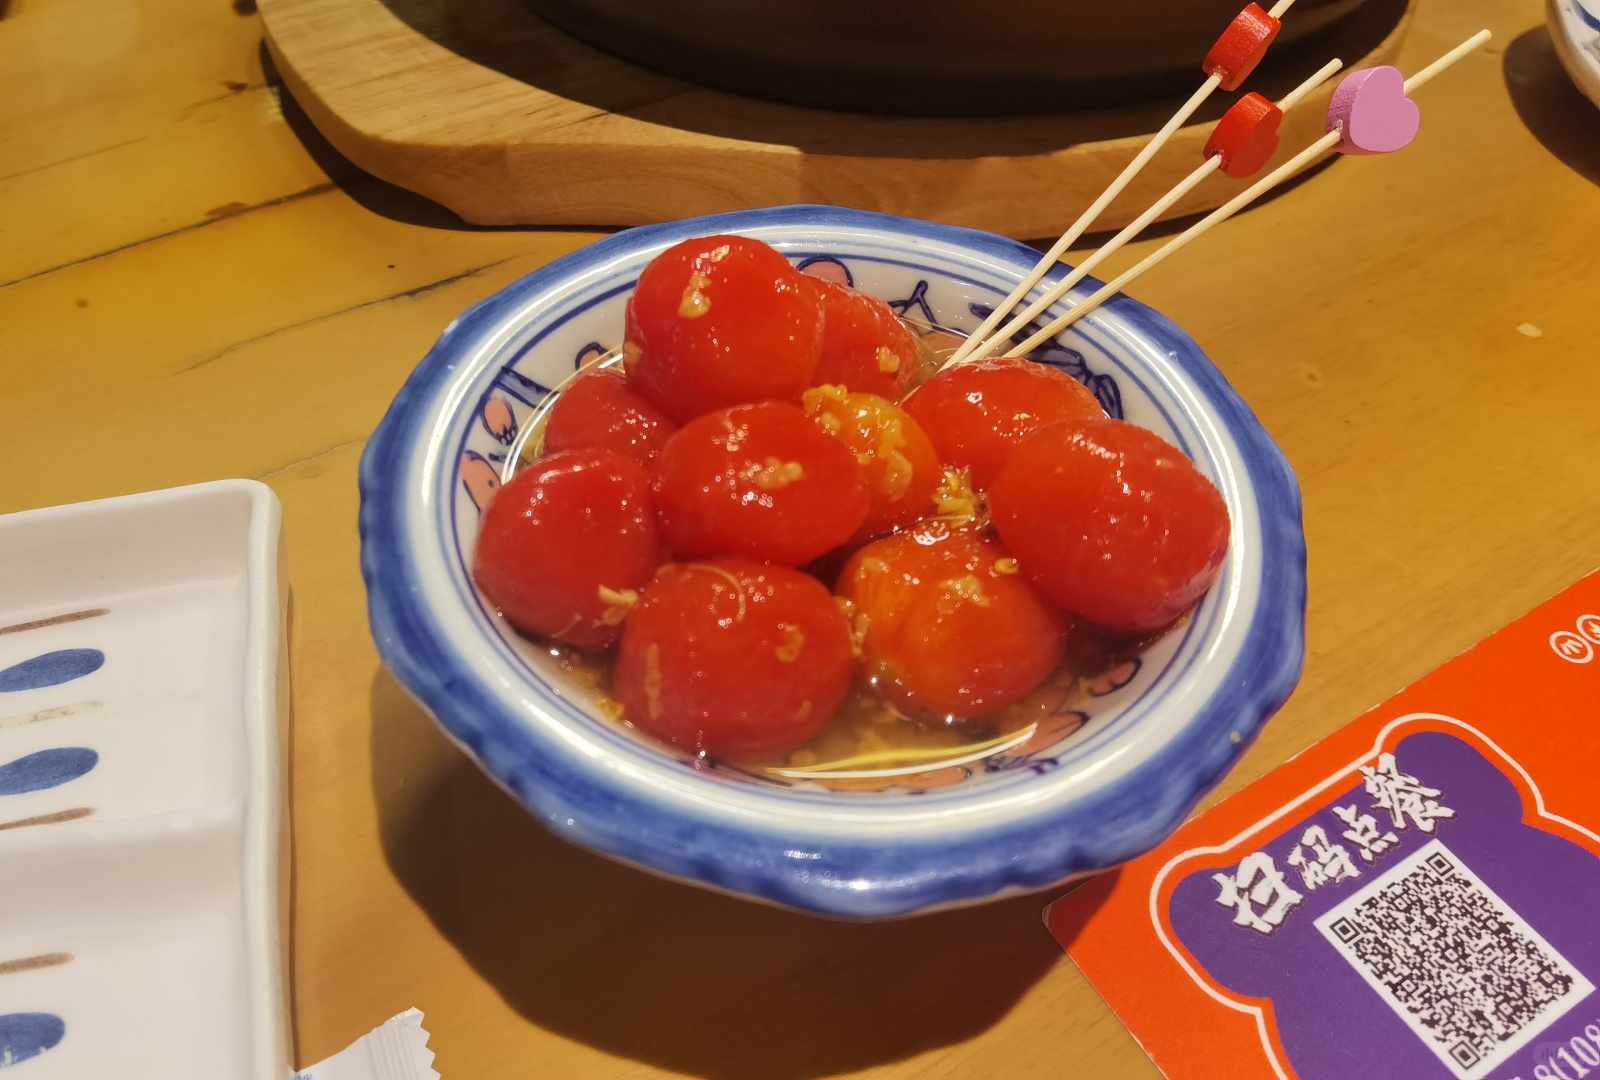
[1416, 896]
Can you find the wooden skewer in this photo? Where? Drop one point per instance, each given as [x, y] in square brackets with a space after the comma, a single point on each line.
[1239, 202]
[1087, 218]
[1448, 59]
[1138, 225]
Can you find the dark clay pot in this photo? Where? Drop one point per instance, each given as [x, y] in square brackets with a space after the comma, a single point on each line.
[926, 57]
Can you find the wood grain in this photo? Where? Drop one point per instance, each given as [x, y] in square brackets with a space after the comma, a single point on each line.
[494, 113]
[1368, 315]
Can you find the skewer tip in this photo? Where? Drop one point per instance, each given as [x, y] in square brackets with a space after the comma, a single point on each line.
[1447, 60]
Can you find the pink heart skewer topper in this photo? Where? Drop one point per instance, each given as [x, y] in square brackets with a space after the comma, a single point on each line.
[1371, 112]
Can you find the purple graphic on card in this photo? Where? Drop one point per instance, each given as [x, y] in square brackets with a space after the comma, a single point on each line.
[1412, 925]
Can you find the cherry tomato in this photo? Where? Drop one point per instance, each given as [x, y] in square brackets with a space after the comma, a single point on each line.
[564, 547]
[721, 321]
[733, 658]
[976, 413]
[947, 626]
[1111, 522]
[865, 347]
[760, 482]
[902, 467]
[599, 412]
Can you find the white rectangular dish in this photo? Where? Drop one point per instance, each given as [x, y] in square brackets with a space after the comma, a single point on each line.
[143, 722]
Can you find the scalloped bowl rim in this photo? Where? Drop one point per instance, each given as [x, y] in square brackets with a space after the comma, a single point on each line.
[854, 857]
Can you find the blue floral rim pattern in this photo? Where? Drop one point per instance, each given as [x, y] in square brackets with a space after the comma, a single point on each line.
[862, 873]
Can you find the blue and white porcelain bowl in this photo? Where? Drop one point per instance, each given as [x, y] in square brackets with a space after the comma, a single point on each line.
[1101, 784]
[1575, 30]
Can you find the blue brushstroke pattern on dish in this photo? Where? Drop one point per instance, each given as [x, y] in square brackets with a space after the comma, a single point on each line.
[801, 849]
[51, 669]
[46, 769]
[27, 1035]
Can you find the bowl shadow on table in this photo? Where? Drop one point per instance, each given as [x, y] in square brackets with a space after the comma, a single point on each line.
[663, 973]
[1552, 109]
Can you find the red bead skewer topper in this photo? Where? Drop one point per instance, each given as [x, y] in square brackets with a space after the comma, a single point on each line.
[1247, 136]
[1241, 46]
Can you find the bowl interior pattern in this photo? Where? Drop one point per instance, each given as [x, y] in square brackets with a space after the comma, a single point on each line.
[1160, 730]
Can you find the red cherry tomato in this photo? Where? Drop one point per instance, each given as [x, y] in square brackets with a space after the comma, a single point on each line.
[733, 658]
[947, 626]
[563, 548]
[901, 465]
[599, 412]
[721, 321]
[759, 482]
[1111, 522]
[865, 347]
[976, 413]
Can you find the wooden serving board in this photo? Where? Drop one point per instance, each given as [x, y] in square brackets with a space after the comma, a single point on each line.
[482, 106]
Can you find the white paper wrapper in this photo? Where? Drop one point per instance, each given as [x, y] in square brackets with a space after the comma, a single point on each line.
[396, 1050]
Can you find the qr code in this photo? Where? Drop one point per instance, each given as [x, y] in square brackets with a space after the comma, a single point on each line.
[1466, 973]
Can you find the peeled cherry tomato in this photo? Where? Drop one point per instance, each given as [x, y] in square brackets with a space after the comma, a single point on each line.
[599, 412]
[1111, 522]
[976, 413]
[721, 321]
[946, 624]
[865, 347]
[564, 546]
[733, 658]
[759, 482]
[901, 465]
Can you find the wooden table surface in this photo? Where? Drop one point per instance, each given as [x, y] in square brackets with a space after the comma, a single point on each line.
[192, 286]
